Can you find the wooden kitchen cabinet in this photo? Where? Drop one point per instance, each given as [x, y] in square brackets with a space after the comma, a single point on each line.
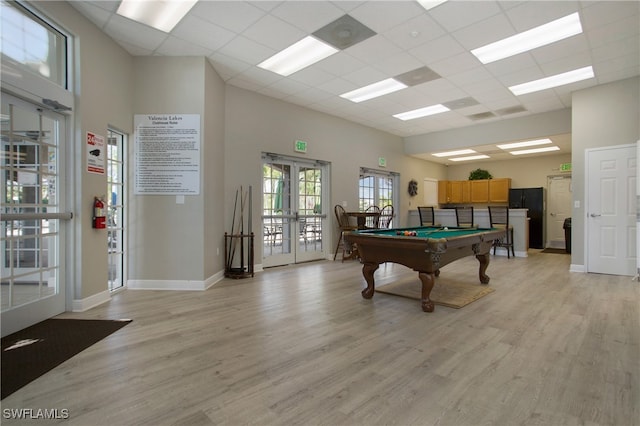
[444, 192]
[479, 191]
[499, 190]
[456, 191]
[474, 191]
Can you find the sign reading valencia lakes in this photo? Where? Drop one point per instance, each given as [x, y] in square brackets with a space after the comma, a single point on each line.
[167, 154]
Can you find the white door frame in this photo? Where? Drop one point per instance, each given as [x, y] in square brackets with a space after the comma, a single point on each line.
[291, 226]
[550, 213]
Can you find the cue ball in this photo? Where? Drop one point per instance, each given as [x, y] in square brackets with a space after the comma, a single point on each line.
[446, 229]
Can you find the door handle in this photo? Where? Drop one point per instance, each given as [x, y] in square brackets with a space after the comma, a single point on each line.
[553, 214]
[595, 215]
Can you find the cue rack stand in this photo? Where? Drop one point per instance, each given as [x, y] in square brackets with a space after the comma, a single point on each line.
[241, 266]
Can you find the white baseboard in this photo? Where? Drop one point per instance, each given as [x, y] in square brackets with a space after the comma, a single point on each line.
[81, 305]
[576, 268]
[179, 285]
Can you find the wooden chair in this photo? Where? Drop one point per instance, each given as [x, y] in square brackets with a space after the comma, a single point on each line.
[344, 225]
[386, 216]
[499, 218]
[372, 222]
[427, 216]
[464, 217]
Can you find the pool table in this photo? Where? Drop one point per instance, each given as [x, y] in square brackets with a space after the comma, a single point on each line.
[424, 249]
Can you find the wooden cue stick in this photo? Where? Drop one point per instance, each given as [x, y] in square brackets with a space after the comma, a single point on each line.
[233, 221]
[244, 197]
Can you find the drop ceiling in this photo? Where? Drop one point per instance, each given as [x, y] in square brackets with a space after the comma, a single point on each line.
[235, 36]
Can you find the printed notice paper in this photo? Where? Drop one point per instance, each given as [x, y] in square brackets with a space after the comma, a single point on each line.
[167, 154]
[95, 153]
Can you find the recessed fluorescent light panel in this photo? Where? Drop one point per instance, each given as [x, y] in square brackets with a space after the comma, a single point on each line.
[524, 144]
[535, 150]
[374, 90]
[422, 112]
[454, 153]
[536, 37]
[160, 14]
[553, 81]
[472, 157]
[430, 4]
[300, 55]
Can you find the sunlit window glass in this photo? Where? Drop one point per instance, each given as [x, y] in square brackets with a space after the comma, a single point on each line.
[32, 43]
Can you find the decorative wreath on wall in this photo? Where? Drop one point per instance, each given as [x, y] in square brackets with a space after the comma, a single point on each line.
[413, 188]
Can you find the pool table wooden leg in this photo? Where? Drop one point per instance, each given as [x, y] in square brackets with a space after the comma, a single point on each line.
[428, 280]
[484, 263]
[368, 269]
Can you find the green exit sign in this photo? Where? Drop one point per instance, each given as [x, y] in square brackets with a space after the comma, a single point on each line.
[300, 146]
[565, 167]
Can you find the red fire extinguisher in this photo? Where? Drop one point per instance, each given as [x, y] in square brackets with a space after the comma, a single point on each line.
[99, 219]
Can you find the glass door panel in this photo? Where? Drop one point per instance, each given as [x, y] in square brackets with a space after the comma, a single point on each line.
[292, 217]
[31, 203]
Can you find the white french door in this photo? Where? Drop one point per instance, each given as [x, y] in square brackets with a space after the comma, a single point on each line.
[293, 217]
[33, 214]
[611, 210]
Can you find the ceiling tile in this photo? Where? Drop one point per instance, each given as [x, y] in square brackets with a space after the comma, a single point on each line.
[454, 15]
[437, 50]
[340, 63]
[227, 66]
[171, 44]
[308, 16]
[202, 33]
[246, 50]
[274, 33]
[374, 50]
[235, 16]
[237, 35]
[140, 35]
[532, 14]
[414, 32]
[383, 15]
[484, 32]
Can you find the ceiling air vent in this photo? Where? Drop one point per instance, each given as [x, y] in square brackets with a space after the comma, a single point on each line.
[344, 32]
[511, 110]
[417, 76]
[481, 116]
[461, 103]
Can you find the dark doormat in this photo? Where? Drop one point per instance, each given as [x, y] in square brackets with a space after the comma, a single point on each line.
[554, 250]
[27, 354]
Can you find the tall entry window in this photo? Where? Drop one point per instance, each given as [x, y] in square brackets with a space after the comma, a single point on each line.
[116, 208]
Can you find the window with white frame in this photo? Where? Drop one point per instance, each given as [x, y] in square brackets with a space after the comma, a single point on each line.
[377, 188]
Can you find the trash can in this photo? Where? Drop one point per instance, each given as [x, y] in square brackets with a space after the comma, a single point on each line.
[567, 234]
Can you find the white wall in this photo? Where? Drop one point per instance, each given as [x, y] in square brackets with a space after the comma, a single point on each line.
[256, 124]
[524, 172]
[504, 130]
[169, 241]
[103, 85]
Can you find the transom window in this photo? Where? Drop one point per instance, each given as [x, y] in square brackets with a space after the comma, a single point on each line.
[32, 43]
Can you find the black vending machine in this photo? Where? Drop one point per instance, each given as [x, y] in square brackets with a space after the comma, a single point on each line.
[532, 199]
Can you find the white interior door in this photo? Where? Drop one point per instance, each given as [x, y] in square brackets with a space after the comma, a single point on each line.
[558, 209]
[611, 210]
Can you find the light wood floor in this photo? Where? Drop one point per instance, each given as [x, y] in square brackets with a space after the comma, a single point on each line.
[299, 346]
